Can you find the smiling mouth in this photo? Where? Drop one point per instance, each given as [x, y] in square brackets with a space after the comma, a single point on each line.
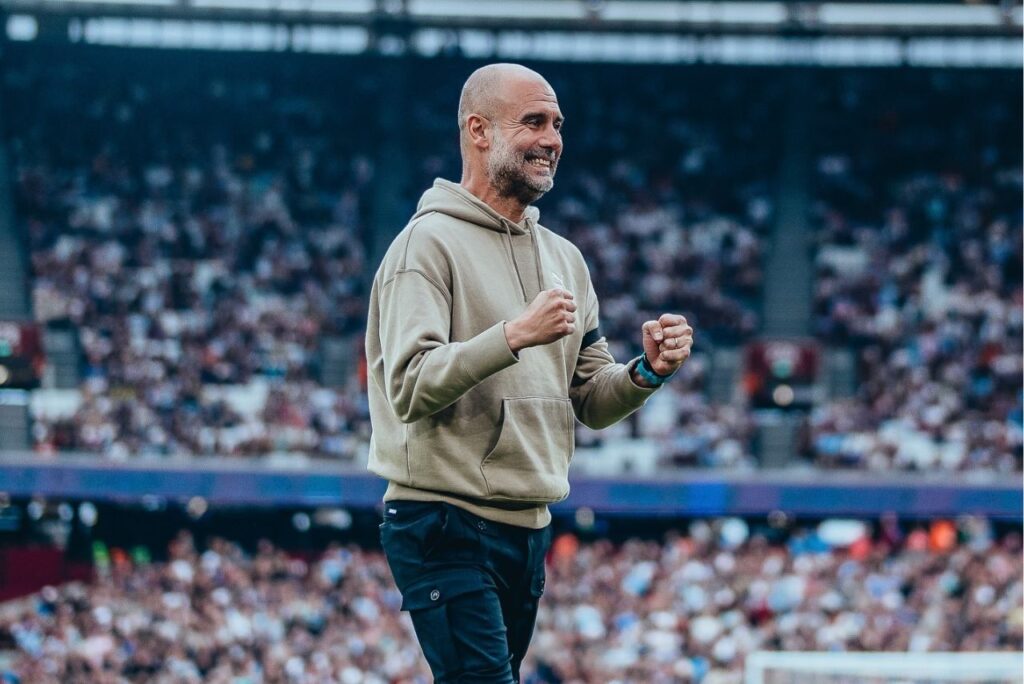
[540, 163]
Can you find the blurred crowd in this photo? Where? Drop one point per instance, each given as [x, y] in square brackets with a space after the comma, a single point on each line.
[920, 271]
[680, 428]
[194, 258]
[208, 237]
[220, 616]
[687, 609]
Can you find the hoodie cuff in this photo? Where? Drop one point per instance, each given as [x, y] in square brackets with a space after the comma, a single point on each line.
[632, 393]
[487, 353]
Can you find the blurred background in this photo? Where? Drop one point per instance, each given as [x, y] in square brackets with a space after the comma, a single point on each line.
[195, 194]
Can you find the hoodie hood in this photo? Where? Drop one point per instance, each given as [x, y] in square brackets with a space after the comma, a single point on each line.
[451, 199]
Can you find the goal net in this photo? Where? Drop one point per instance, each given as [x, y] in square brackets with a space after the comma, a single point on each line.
[765, 667]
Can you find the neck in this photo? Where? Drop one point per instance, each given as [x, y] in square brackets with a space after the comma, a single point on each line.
[478, 185]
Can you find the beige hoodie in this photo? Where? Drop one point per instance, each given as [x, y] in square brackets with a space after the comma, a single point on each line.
[456, 416]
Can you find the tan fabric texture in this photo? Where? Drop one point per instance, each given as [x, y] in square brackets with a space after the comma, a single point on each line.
[456, 416]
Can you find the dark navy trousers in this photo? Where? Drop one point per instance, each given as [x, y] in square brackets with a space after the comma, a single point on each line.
[471, 586]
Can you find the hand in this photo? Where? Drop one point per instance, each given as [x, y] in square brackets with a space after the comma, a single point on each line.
[667, 343]
[549, 317]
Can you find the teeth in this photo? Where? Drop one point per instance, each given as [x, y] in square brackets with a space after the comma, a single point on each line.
[541, 162]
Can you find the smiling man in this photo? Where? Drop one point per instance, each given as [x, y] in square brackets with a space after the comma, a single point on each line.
[483, 345]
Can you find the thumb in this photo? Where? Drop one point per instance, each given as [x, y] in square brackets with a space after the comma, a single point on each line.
[653, 328]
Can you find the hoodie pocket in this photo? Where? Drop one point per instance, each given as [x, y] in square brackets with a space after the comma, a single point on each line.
[530, 461]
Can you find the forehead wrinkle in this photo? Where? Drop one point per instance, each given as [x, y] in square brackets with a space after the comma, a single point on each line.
[529, 109]
[540, 107]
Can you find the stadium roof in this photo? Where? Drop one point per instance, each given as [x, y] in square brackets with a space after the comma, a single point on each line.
[590, 15]
[925, 34]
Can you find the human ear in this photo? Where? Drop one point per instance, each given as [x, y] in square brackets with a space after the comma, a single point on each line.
[477, 127]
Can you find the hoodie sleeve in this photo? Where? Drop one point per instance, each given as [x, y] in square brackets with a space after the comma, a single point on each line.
[602, 391]
[424, 371]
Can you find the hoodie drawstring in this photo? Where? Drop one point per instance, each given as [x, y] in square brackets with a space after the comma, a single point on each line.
[536, 254]
[515, 263]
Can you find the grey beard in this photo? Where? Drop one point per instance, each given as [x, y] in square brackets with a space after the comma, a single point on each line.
[510, 181]
[508, 177]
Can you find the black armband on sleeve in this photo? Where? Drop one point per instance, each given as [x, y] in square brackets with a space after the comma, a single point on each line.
[590, 338]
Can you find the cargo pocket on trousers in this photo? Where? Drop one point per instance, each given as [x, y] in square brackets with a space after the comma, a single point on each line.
[530, 461]
[439, 587]
[427, 602]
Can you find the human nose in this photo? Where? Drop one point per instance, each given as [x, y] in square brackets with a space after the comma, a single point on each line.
[552, 139]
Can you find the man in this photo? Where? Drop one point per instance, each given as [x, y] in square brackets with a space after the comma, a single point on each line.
[482, 344]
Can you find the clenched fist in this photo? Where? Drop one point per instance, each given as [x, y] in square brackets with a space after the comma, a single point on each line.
[549, 317]
[667, 342]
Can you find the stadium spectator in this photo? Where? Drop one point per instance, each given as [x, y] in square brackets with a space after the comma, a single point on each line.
[920, 269]
[201, 270]
[688, 609]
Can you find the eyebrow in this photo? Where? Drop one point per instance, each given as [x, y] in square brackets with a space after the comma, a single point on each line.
[560, 118]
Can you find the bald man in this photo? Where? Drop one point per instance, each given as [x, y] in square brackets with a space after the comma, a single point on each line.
[483, 347]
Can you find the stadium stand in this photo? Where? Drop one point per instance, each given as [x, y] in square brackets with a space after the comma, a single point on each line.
[685, 609]
[919, 268]
[207, 261]
[202, 244]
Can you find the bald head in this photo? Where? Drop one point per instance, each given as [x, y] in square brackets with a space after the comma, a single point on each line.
[485, 89]
[509, 135]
